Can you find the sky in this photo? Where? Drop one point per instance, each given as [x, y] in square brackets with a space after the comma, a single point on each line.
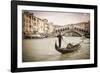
[62, 18]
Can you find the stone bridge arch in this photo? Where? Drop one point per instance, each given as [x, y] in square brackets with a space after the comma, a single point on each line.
[74, 32]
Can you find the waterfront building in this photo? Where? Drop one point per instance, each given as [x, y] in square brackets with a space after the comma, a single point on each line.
[27, 29]
[46, 27]
[51, 28]
[33, 25]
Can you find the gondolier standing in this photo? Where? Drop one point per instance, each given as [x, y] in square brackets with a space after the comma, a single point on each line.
[59, 38]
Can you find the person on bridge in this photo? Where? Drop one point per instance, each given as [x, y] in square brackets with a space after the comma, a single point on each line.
[59, 38]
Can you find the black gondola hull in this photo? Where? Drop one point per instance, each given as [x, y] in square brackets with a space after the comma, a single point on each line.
[66, 50]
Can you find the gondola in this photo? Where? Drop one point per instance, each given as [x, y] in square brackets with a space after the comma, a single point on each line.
[70, 49]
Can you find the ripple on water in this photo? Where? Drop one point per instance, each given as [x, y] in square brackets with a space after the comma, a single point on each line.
[44, 50]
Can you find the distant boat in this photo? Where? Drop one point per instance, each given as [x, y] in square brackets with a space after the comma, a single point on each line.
[68, 49]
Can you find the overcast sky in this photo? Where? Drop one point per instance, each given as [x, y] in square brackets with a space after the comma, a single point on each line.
[61, 18]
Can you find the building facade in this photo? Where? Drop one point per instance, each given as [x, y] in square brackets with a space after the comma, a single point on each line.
[33, 25]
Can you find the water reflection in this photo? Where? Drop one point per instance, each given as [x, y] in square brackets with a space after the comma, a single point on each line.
[44, 49]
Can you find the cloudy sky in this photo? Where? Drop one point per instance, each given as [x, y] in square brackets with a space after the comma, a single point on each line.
[61, 18]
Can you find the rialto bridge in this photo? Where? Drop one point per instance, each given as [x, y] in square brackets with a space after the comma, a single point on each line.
[72, 31]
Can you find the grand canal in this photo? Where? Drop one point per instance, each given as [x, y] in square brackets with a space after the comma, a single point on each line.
[44, 49]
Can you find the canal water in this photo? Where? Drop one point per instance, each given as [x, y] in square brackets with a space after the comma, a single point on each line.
[34, 50]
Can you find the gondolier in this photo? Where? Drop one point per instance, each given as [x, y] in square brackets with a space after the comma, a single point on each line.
[59, 38]
[70, 47]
